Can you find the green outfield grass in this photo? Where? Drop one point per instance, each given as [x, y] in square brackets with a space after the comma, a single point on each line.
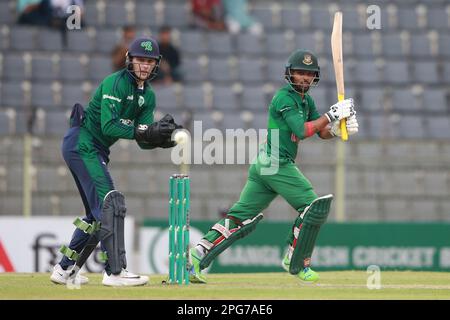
[333, 285]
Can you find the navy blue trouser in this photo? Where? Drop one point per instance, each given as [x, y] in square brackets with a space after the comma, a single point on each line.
[87, 161]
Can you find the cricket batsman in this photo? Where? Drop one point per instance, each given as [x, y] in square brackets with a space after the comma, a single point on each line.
[122, 107]
[292, 117]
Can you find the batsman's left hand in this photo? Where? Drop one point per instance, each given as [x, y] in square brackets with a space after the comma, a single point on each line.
[352, 126]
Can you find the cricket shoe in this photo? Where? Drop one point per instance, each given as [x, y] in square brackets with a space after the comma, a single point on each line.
[124, 279]
[195, 274]
[308, 275]
[60, 276]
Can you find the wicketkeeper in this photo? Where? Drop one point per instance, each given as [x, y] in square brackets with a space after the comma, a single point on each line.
[122, 107]
[292, 117]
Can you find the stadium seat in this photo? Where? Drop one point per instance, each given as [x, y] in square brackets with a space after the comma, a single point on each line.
[420, 46]
[73, 93]
[79, 41]
[90, 17]
[12, 95]
[43, 95]
[437, 18]
[392, 44]
[372, 99]
[176, 15]
[362, 209]
[23, 38]
[444, 45]
[435, 99]
[275, 72]
[44, 68]
[224, 98]
[72, 68]
[116, 14]
[446, 72]
[277, 45]
[249, 44]
[265, 16]
[220, 70]
[219, 43]
[7, 15]
[425, 72]
[321, 19]
[206, 119]
[146, 15]
[437, 127]
[49, 40]
[193, 98]
[254, 98]
[4, 123]
[193, 42]
[352, 19]
[405, 100]
[166, 97]
[291, 18]
[407, 18]
[395, 72]
[306, 40]
[409, 127]
[232, 120]
[193, 69]
[259, 119]
[363, 45]
[14, 67]
[56, 123]
[106, 40]
[99, 68]
[251, 70]
[366, 72]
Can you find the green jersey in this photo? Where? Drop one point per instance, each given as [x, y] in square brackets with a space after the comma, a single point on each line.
[288, 113]
[117, 107]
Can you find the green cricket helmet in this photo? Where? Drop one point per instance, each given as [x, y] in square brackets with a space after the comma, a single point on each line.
[302, 60]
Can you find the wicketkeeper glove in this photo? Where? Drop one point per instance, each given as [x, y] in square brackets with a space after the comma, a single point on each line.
[155, 133]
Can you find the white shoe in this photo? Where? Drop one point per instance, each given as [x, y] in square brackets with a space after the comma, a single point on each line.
[124, 279]
[60, 276]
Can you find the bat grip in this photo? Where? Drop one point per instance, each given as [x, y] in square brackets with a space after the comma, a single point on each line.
[343, 123]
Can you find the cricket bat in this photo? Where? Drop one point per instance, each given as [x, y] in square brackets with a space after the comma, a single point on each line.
[338, 63]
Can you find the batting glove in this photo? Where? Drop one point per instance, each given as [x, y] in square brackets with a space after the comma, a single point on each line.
[341, 110]
[352, 126]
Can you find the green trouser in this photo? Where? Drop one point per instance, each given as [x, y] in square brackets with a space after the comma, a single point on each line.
[260, 190]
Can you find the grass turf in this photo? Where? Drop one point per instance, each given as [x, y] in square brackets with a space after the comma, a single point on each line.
[266, 286]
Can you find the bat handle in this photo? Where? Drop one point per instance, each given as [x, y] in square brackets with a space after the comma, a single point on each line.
[343, 123]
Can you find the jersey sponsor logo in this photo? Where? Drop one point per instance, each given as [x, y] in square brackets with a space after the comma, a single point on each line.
[147, 45]
[130, 98]
[142, 127]
[141, 101]
[105, 96]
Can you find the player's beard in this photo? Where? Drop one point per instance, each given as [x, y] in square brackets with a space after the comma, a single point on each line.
[302, 87]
